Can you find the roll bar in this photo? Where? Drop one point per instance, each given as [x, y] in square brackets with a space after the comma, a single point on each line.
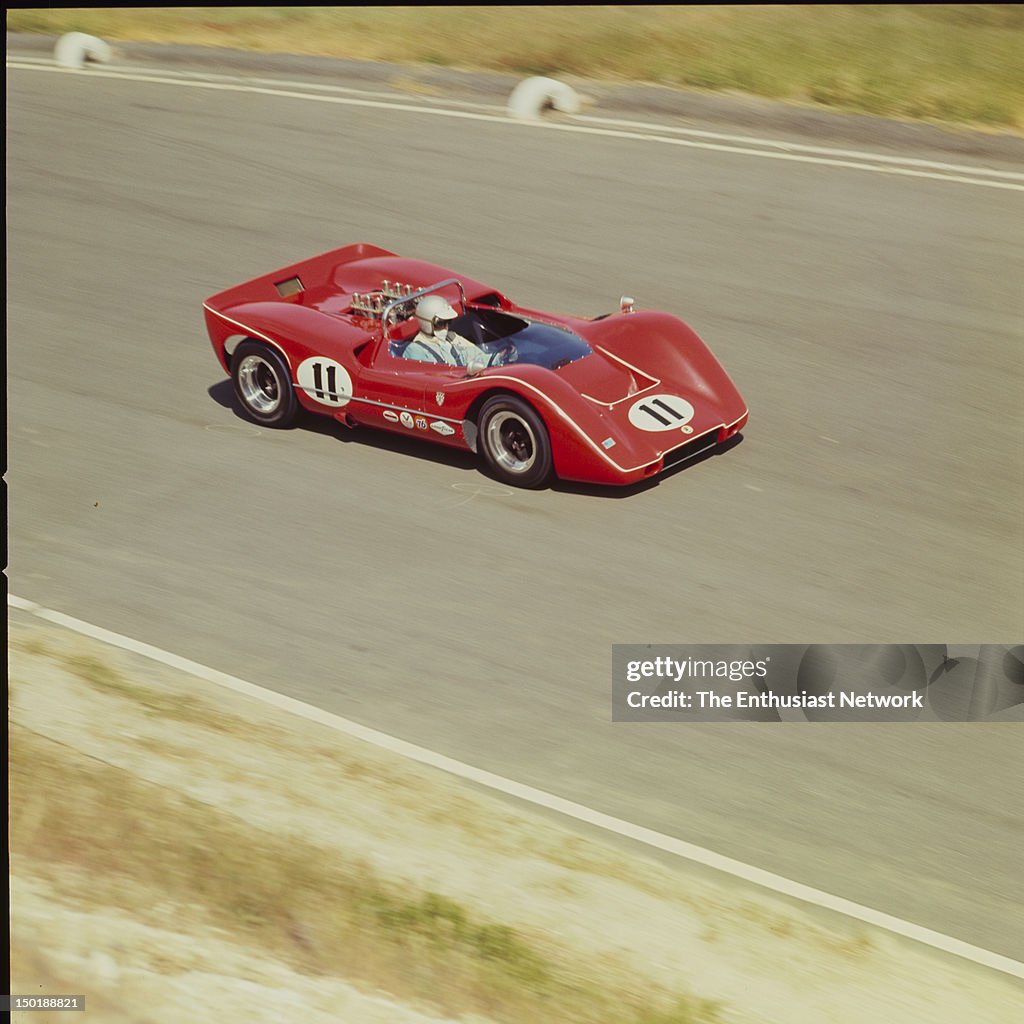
[413, 296]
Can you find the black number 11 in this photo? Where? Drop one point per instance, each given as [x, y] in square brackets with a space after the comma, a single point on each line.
[668, 408]
[332, 381]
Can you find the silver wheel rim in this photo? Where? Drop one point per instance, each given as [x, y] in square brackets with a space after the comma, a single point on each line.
[511, 441]
[259, 384]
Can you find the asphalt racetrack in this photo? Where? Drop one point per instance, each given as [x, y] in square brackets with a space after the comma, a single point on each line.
[872, 320]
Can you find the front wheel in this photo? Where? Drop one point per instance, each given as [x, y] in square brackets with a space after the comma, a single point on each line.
[263, 384]
[514, 441]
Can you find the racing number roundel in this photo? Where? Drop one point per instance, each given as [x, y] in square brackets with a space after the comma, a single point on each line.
[325, 381]
[662, 412]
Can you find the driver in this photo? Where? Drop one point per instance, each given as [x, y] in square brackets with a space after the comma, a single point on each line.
[436, 342]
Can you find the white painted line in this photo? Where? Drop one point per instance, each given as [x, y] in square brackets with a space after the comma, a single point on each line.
[797, 147]
[872, 163]
[43, 63]
[578, 812]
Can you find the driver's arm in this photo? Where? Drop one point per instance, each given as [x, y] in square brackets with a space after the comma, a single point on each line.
[471, 355]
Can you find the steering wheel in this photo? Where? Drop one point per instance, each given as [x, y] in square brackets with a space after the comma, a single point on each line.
[508, 353]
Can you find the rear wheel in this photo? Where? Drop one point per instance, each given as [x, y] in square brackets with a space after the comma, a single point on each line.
[514, 441]
[263, 384]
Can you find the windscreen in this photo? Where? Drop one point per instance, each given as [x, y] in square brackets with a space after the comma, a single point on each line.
[541, 344]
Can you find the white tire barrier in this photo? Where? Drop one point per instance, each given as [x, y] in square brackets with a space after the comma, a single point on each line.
[75, 48]
[532, 95]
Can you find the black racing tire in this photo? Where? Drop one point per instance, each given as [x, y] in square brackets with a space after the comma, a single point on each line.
[514, 442]
[263, 384]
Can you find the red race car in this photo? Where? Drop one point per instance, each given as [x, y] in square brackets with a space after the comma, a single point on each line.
[374, 339]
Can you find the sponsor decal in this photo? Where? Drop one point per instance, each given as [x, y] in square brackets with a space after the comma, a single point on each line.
[444, 429]
[406, 419]
[390, 415]
[421, 423]
[439, 397]
[325, 381]
[662, 412]
[608, 442]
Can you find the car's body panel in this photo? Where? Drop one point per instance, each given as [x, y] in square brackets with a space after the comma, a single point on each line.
[618, 395]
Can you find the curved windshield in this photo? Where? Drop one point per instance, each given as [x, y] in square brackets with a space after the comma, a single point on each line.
[542, 344]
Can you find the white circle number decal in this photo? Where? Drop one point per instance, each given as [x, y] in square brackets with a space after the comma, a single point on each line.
[325, 380]
[662, 412]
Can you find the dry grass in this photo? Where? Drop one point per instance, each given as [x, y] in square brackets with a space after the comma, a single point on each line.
[101, 837]
[947, 63]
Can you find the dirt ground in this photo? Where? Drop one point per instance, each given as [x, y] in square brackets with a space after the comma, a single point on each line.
[630, 920]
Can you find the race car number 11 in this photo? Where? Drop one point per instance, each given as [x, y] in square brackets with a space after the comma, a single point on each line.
[325, 380]
[661, 412]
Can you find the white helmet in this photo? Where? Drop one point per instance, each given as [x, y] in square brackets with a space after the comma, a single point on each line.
[432, 310]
